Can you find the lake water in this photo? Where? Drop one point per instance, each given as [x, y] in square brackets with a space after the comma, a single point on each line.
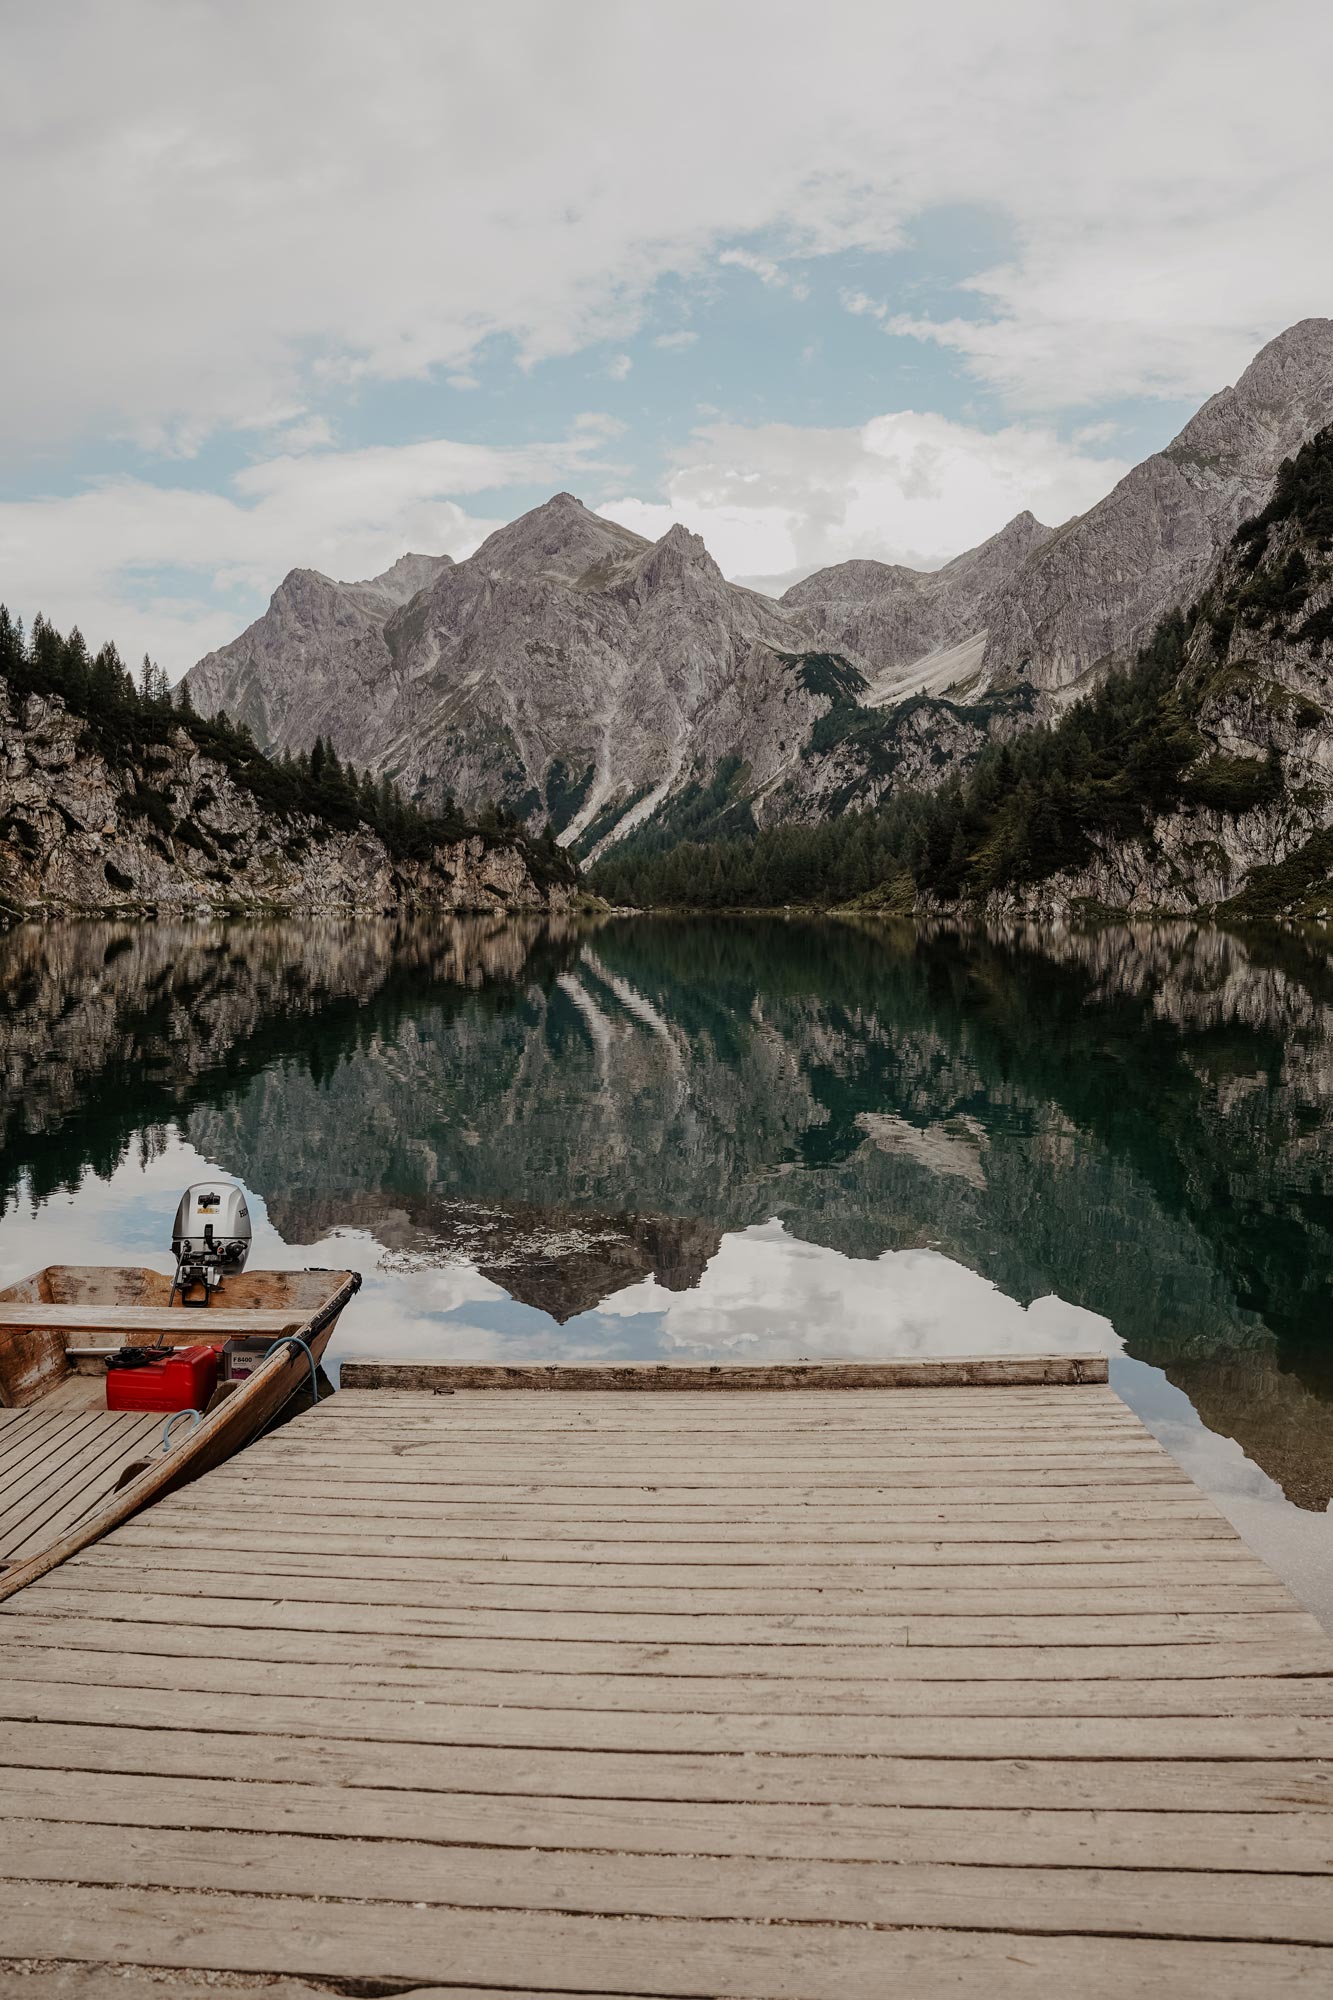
[656, 1139]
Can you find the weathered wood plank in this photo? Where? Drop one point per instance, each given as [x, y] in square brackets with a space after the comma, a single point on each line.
[69, 1980]
[385, 1688]
[814, 1642]
[407, 1516]
[175, 1564]
[679, 1613]
[1288, 1841]
[689, 1615]
[890, 1560]
[682, 1646]
[1145, 1901]
[986, 1721]
[210, 1323]
[1004, 1371]
[531, 1951]
[406, 1536]
[1059, 1783]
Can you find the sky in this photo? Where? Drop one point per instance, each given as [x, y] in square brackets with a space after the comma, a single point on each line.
[315, 284]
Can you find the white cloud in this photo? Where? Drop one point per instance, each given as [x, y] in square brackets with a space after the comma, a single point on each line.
[911, 487]
[463, 381]
[618, 367]
[598, 423]
[676, 341]
[220, 209]
[175, 571]
[767, 271]
[308, 434]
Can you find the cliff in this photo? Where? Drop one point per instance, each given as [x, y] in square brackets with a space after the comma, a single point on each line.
[1090, 596]
[166, 828]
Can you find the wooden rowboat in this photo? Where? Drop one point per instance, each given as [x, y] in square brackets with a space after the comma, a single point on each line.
[71, 1469]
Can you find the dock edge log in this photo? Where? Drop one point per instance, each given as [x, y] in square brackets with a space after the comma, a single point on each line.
[1019, 1371]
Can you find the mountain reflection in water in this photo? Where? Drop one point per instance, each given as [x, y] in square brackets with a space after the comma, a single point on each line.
[657, 1138]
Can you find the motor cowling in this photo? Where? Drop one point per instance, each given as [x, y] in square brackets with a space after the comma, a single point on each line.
[211, 1238]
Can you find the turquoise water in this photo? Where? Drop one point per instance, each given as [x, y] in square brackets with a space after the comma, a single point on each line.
[759, 1139]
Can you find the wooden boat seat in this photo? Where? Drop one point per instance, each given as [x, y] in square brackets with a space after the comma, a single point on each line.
[192, 1322]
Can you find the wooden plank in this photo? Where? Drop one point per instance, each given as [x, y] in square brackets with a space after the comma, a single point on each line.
[723, 1418]
[890, 1486]
[1269, 1842]
[1020, 1784]
[1144, 1901]
[515, 1631]
[406, 1516]
[532, 1951]
[384, 1689]
[65, 1979]
[957, 1371]
[425, 1537]
[812, 1401]
[191, 1324]
[681, 1611]
[846, 1645]
[891, 1559]
[430, 1585]
[356, 1499]
[989, 1720]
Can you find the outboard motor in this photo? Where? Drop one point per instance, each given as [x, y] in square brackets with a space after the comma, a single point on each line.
[211, 1239]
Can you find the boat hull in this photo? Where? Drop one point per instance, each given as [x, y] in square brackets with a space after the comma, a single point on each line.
[221, 1432]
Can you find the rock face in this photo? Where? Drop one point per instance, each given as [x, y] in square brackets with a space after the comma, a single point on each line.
[1253, 836]
[892, 619]
[569, 668]
[577, 673]
[1093, 592]
[74, 838]
[315, 656]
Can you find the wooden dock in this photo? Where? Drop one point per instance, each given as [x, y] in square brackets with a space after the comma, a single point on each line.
[832, 1695]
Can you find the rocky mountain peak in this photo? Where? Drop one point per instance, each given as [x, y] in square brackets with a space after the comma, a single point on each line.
[667, 560]
[856, 580]
[402, 580]
[1093, 594]
[1025, 532]
[561, 537]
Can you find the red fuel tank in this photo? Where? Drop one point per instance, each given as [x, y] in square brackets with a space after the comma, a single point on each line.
[183, 1379]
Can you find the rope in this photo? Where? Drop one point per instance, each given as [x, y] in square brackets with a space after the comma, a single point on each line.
[295, 1340]
[198, 1416]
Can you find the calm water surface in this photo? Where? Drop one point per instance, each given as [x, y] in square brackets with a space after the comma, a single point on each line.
[746, 1140]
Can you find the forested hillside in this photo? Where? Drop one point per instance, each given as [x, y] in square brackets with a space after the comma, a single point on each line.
[117, 795]
[1199, 777]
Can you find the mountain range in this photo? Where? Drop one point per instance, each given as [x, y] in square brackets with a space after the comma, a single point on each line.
[577, 673]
